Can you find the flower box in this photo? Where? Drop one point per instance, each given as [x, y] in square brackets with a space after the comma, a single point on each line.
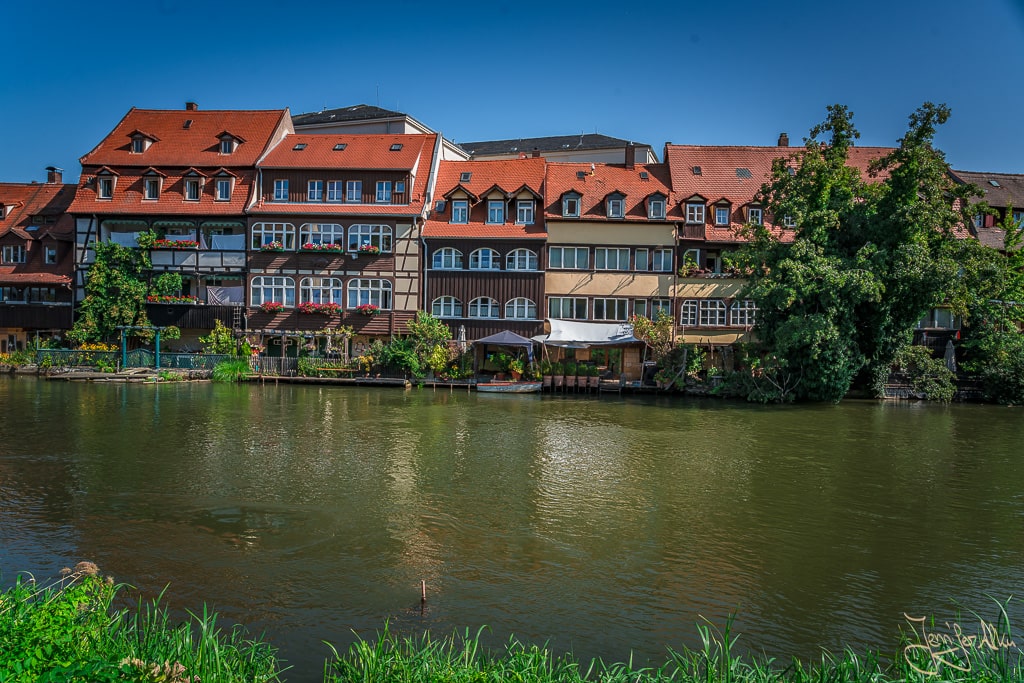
[271, 306]
[175, 244]
[272, 246]
[170, 299]
[368, 309]
[369, 249]
[310, 308]
[329, 247]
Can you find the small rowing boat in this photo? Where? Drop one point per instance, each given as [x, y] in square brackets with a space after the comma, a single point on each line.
[508, 387]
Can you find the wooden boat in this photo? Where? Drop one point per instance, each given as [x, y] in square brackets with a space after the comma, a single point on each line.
[509, 387]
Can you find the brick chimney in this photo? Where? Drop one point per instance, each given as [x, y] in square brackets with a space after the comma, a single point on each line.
[630, 156]
[191, 106]
[536, 153]
[783, 139]
[54, 175]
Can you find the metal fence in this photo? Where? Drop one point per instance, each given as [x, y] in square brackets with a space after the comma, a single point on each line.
[67, 358]
[136, 358]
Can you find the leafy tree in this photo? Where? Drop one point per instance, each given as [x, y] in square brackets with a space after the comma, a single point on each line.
[115, 294]
[167, 284]
[221, 340]
[868, 260]
[429, 338]
[659, 334]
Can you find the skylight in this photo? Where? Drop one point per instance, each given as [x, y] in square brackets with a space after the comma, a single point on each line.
[299, 146]
[744, 173]
[994, 183]
[580, 175]
[644, 175]
[397, 147]
[697, 170]
[340, 147]
[466, 177]
[187, 124]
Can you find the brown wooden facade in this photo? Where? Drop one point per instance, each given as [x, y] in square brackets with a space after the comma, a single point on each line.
[298, 186]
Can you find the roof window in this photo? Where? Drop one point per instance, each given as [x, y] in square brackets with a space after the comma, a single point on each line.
[581, 175]
[466, 176]
[397, 147]
[299, 146]
[994, 183]
[187, 124]
[697, 170]
[744, 173]
[644, 175]
[340, 147]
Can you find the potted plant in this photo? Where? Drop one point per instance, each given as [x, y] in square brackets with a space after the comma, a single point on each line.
[271, 306]
[516, 367]
[545, 373]
[368, 249]
[276, 245]
[593, 377]
[320, 246]
[556, 374]
[690, 268]
[570, 373]
[368, 309]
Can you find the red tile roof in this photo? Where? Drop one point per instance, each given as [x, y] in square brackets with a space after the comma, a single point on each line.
[509, 176]
[361, 152]
[30, 201]
[127, 197]
[197, 145]
[594, 182]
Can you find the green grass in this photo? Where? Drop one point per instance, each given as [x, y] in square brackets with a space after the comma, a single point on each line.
[231, 370]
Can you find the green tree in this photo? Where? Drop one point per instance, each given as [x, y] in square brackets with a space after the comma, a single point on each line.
[868, 260]
[429, 338]
[221, 340]
[115, 294]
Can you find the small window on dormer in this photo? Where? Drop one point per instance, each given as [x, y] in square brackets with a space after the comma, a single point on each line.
[616, 207]
[694, 212]
[138, 145]
[151, 188]
[656, 208]
[224, 186]
[722, 214]
[754, 215]
[105, 187]
[227, 145]
[571, 206]
[50, 255]
[192, 189]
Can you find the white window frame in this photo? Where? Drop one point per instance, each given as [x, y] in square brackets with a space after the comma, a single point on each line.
[265, 233]
[379, 236]
[335, 191]
[524, 212]
[151, 188]
[227, 145]
[689, 313]
[223, 189]
[496, 211]
[193, 186]
[314, 190]
[460, 211]
[105, 187]
[661, 260]
[266, 288]
[755, 215]
[616, 207]
[694, 213]
[281, 190]
[50, 255]
[611, 258]
[571, 206]
[576, 307]
[656, 208]
[788, 221]
[619, 309]
[448, 258]
[354, 191]
[375, 291]
[660, 305]
[484, 307]
[522, 259]
[321, 233]
[321, 290]
[743, 313]
[383, 192]
[521, 308]
[139, 144]
[14, 253]
[446, 307]
[557, 258]
[642, 259]
[722, 215]
[713, 313]
[485, 258]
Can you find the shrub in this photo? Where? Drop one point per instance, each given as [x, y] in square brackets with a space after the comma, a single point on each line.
[231, 370]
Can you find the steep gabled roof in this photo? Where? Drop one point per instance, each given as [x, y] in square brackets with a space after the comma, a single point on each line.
[358, 152]
[551, 143]
[358, 112]
[36, 199]
[999, 189]
[594, 182]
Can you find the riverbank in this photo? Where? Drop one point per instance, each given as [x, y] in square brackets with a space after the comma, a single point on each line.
[77, 627]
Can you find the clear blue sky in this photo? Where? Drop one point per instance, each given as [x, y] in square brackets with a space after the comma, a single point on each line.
[723, 72]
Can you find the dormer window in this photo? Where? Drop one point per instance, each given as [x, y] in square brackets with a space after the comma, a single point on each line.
[755, 216]
[656, 208]
[460, 211]
[151, 187]
[495, 211]
[192, 189]
[105, 187]
[694, 212]
[227, 144]
[141, 141]
[224, 186]
[13, 253]
[570, 205]
[722, 213]
[281, 190]
[616, 206]
[789, 221]
[138, 145]
[524, 212]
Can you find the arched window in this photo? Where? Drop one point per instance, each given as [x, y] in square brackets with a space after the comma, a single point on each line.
[446, 307]
[376, 235]
[266, 288]
[321, 233]
[369, 291]
[688, 314]
[521, 309]
[484, 259]
[521, 259]
[320, 290]
[484, 308]
[448, 258]
[265, 233]
[743, 312]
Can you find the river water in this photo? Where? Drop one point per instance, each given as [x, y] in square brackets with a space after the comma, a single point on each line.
[606, 526]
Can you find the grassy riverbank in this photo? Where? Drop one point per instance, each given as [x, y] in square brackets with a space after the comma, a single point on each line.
[79, 628]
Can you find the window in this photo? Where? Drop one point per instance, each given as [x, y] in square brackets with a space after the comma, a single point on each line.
[616, 207]
[265, 233]
[315, 191]
[611, 309]
[460, 211]
[1018, 217]
[138, 145]
[571, 258]
[354, 191]
[376, 235]
[484, 259]
[320, 290]
[192, 189]
[712, 313]
[224, 186]
[465, 176]
[521, 259]
[399, 187]
[721, 215]
[321, 233]
[642, 259]
[939, 318]
[227, 145]
[446, 307]
[364, 291]
[151, 188]
[105, 187]
[789, 221]
[659, 305]
[656, 208]
[979, 220]
[334, 191]
[383, 191]
[640, 307]
[265, 288]
[688, 313]
[521, 309]
[571, 206]
[742, 313]
[281, 190]
[754, 215]
[611, 259]
[662, 262]
[448, 258]
[524, 212]
[50, 255]
[484, 307]
[495, 211]
[694, 213]
[14, 253]
[573, 308]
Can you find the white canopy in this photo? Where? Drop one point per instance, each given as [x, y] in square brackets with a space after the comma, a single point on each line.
[578, 335]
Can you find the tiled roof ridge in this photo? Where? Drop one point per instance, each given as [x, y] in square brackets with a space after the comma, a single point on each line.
[989, 173]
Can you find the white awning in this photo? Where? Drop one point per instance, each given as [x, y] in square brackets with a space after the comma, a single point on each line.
[578, 335]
